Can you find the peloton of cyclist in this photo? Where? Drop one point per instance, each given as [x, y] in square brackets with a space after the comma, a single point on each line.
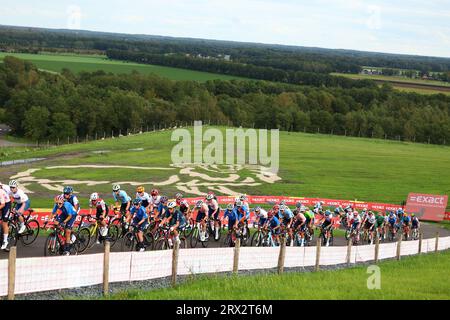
[139, 222]
[101, 213]
[65, 217]
[22, 203]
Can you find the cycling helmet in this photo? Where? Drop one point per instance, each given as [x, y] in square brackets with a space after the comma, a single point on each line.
[400, 211]
[298, 205]
[199, 204]
[270, 214]
[370, 212]
[230, 206]
[282, 202]
[140, 189]
[355, 213]
[59, 198]
[164, 199]
[13, 183]
[276, 207]
[178, 195]
[242, 197]
[94, 196]
[336, 210]
[171, 204]
[413, 214]
[136, 201]
[116, 187]
[209, 196]
[155, 192]
[282, 207]
[184, 203]
[257, 209]
[239, 203]
[67, 190]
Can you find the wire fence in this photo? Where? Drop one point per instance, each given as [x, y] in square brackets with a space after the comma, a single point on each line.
[28, 275]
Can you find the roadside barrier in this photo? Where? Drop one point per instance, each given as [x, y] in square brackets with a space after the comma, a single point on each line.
[27, 275]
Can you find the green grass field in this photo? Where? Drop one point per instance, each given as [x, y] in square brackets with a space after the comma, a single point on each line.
[327, 166]
[419, 277]
[77, 63]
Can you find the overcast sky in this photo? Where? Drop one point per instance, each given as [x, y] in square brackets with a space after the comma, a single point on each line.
[410, 27]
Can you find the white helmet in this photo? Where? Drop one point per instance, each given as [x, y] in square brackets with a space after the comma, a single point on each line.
[210, 197]
[13, 183]
[239, 203]
[116, 187]
[171, 204]
[94, 196]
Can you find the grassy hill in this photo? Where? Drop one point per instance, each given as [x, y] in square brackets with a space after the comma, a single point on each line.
[90, 63]
[310, 165]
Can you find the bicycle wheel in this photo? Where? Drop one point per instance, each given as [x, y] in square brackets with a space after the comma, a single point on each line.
[162, 244]
[244, 238]
[256, 239]
[149, 241]
[83, 238]
[183, 243]
[52, 246]
[194, 237]
[206, 242]
[12, 235]
[113, 234]
[30, 235]
[348, 232]
[94, 233]
[128, 242]
[228, 242]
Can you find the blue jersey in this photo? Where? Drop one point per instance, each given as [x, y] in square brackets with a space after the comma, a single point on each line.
[232, 216]
[66, 210]
[286, 215]
[162, 207]
[122, 197]
[274, 222]
[406, 219]
[243, 211]
[177, 216]
[138, 214]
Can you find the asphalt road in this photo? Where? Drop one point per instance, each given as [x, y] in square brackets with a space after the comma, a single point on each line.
[37, 248]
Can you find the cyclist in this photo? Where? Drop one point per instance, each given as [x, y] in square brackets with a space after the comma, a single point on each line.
[261, 216]
[244, 215]
[176, 220]
[380, 221]
[202, 212]
[369, 225]
[139, 222]
[213, 213]
[406, 222]
[327, 223]
[178, 198]
[286, 216]
[273, 224]
[66, 216]
[299, 223]
[120, 196]
[154, 201]
[144, 197]
[69, 196]
[392, 220]
[356, 224]
[22, 203]
[5, 206]
[244, 200]
[185, 209]
[101, 212]
[309, 215]
[318, 207]
[232, 216]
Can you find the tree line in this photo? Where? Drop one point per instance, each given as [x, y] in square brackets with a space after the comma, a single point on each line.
[42, 106]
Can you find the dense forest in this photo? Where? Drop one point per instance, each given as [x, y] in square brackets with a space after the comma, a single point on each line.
[43, 106]
[287, 58]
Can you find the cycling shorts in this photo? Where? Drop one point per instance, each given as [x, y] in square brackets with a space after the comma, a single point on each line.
[200, 216]
[123, 208]
[69, 224]
[142, 226]
[6, 212]
[216, 215]
[262, 221]
[27, 205]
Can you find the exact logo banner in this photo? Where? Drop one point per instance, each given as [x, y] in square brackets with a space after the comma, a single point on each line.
[427, 206]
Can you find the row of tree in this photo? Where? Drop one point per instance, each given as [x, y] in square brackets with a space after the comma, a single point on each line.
[45, 106]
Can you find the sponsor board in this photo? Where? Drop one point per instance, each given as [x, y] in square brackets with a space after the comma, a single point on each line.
[427, 206]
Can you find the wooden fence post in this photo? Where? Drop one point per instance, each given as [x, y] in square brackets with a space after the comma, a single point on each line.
[106, 268]
[282, 255]
[420, 242]
[399, 245]
[349, 251]
[437, 242]
[377, 248]
[237, 247]
[318, 246]
[12, 272]
[176, 249]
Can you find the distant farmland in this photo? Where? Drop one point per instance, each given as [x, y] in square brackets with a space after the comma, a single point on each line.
[405, 84]
[77, 63]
